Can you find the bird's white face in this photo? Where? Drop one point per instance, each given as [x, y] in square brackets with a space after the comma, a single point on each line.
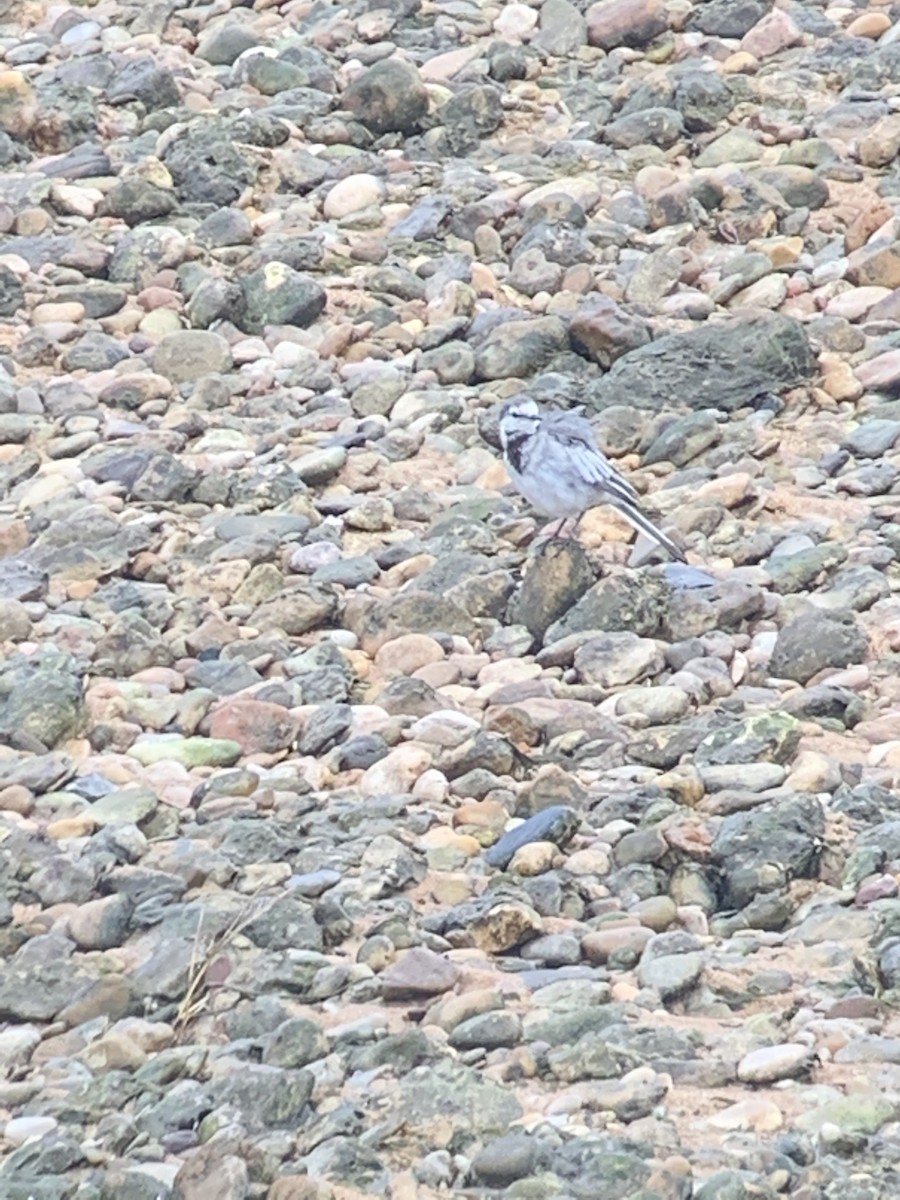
[519, 418]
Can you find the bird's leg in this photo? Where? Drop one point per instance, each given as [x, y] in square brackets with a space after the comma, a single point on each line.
[550, 533]
[572, 534]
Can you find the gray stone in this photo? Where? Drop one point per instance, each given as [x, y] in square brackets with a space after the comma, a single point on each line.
[418, 972]
[671, 975]
[270, 76]
[490, 1030]
[763, 850]
[617, 602]
[295, 1043]
[276, 294]
[140, 78]
[518, 348]
[728, 365]
[651, 126]
[457, 1093]
[388, 97]
[871, 439]
[557, 823]
[554, 581]
[12, 292]
[21, 579]
[221, 45]
[206, 165]
[591, 1057]
[187, 356]
[505, 1159]
[137, 200]
[288, 923]
[728, 18]
[760, 737]
[562, 28]
[814, 641]
[470, 116]
[801, 187]
[267, 1097]
[703, 98]
[41, 701]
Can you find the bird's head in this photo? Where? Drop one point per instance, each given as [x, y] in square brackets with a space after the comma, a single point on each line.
[517, 417]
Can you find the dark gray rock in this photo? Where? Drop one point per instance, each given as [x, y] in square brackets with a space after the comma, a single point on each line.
[506, 1159]
[684, 439]
[51, 1155]
[470, 116]
[519, 348]
[100, 299]
[295, 1043]
[873, 438]
[144, 80]
[798, 570]
[278, 295]
[215, 299]
[138, 200]
[388, 97]
[490, 1031]
[728, 365]
[22, 580]
[738, 1185]
[651, 126]
[226, 227]
[562, 29]
[704, 99]
[760, 737]
[271, 76]
[68, 115]
[41, 700]
[457, 1093]
[763, 850]
[221, 45]
[12, 292]
[142, 252]
[801, 187]
[816, 640]
[190, 354]
[555, 580]
[624, 602]
[325, 728]
[94, 352]
[206, 165]
[590, 1057]
[557, 824]
[183, 1104]
[697, 605]
[672, 964]
[287, 924]
[40, 979]
[728, 18]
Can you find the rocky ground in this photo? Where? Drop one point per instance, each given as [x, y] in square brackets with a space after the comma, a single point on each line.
[284, 672]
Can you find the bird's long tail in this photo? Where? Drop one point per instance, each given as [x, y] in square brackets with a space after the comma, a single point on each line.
[633, 513]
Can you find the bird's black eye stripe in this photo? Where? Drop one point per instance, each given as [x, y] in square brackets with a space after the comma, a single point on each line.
[515, 450]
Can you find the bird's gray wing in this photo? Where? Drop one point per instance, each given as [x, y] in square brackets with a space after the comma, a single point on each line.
[575, 433]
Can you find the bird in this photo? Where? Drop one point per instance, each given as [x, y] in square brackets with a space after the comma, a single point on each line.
[554, 462]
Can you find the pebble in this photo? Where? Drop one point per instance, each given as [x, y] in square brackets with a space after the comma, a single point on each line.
[771, 1063]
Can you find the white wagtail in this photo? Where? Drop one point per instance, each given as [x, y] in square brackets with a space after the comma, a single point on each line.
[553, 460]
